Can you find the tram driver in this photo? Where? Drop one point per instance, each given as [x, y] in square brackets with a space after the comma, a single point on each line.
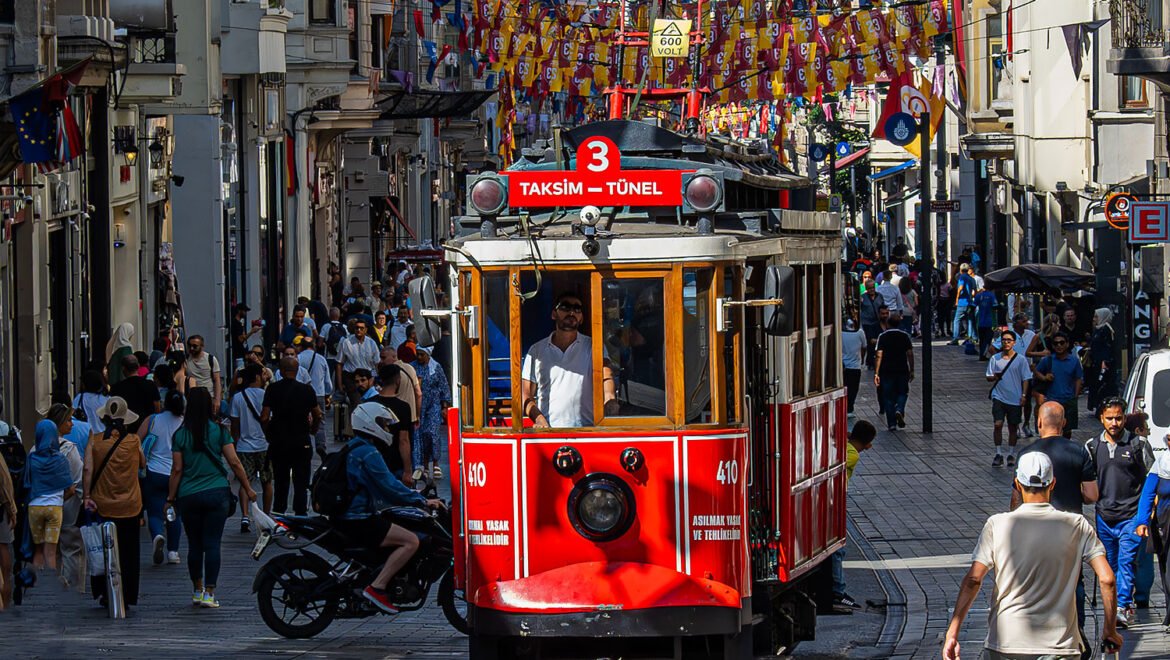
[558, 372]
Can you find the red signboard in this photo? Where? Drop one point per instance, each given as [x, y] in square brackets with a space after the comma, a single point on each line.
[599, 180]
[1149, 222]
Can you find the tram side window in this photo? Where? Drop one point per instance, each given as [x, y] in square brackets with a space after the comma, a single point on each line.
[815, 340]
[831, 291]
[797, 342]
[634, 328]
[732, 290]
[557, 369]
[697, 344]
[497, 350]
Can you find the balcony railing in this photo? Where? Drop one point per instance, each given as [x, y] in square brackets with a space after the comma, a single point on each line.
[152, 48]
[1137, 24]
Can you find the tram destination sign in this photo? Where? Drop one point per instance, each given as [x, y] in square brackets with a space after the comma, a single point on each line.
[599, 180]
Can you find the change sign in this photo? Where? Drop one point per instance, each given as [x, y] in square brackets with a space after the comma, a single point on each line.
[670, 38]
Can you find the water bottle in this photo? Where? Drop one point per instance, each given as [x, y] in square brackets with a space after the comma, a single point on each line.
[170, 513]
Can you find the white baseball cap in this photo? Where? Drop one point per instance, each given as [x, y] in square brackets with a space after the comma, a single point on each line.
[1034, 470]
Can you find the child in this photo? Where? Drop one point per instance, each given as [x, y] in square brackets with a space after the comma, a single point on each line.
[860, 439]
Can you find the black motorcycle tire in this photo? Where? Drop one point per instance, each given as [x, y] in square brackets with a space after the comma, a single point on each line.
[447, 598]
[267, 582]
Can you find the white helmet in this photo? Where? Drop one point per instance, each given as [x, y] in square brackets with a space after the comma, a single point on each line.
[373, 420]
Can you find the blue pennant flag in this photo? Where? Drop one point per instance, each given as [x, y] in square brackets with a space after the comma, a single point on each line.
[434, 58]
[36, 126]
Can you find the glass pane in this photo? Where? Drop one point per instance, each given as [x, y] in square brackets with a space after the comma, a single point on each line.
[697, 344]
[497, 350]
[634, 326]
[557, 370]
[732, 286]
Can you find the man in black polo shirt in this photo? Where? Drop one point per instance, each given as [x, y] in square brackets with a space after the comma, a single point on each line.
[1074, 471]
[895, 370]
[1122, 465]
[141, 395]
[289, 415]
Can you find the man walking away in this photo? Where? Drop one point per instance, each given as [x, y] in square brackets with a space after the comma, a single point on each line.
[985, 304]
[1009, 375]
[1074, 471]
[291, 428]
[1036, 553]
[964, 304]
[853, 347]
[251, 443]
[1065, 377]
[1122, 465]
[895, 371]
[331, 335]
[317, 367]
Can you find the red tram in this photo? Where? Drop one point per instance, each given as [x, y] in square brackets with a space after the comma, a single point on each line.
[687, 516]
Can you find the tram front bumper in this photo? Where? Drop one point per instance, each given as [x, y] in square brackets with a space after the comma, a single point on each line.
[601, 599]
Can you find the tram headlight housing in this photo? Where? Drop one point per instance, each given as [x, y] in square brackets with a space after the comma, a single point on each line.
[488, 195]
[601, 507]
[703, 192]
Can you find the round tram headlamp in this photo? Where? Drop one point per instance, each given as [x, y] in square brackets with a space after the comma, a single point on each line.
[702, 193]
[488, 196]
[601, 507]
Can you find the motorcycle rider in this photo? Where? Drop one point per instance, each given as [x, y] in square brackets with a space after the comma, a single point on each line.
[375, 488]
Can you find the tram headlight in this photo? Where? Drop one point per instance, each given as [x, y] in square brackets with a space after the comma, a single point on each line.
[601, 507]
[488, 195]
[703, 193]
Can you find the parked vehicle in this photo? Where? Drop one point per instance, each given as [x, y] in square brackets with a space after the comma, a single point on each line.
[1148, 391]
[300, 593]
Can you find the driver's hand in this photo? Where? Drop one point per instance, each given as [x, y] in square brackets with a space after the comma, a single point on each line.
[436, 504]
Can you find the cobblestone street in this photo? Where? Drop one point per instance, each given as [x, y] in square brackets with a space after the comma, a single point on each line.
[917, 504]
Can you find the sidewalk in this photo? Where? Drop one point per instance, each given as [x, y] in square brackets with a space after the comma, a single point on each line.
[921, 500]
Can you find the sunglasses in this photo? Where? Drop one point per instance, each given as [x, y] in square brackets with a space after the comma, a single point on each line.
[258, 354]
[194, 345]
[1060, 342]
[570, 307]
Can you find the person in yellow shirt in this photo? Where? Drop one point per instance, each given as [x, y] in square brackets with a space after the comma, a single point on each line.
[860, 439]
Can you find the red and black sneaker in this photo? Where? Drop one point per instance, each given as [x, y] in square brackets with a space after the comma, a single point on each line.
[380, 599]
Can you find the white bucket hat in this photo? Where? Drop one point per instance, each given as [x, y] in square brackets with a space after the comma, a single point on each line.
[115, 408]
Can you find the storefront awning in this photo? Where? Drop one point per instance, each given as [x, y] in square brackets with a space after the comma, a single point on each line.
[852, 158]
[431, 104]
[891, 171]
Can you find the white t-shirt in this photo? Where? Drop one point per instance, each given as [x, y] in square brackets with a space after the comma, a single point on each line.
[90, 402]
[1010, 388]
[203, 370]
[1036, 553]
[317, 367]
[163, 426]
[564, 381]
[251, 433]
[853, 346]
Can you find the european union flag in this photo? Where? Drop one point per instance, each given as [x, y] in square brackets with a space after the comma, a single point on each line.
[36, 126]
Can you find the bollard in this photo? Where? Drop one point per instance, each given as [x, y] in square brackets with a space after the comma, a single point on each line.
[113, 572]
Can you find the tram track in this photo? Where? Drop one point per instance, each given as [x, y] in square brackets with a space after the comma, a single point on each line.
[895, 621]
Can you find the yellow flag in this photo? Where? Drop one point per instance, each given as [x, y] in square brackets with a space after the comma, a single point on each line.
[914, 101]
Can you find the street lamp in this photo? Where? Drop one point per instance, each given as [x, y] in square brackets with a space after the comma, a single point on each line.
[130, 153]
[156, 154]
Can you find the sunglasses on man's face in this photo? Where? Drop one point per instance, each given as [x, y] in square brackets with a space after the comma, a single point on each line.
[570, 307]
[195, 346]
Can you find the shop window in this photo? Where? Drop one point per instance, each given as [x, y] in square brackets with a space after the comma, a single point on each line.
[634, 327]
[697, 344]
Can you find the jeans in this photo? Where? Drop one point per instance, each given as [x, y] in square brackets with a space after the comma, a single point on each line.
[300, 470]
[839, 573]
[984, 342]
[129, 560]
[894, 391]
[852, 384]
[155, 489]
[1121, 548]
[204, 514]
[1143, 580]
[964, 313]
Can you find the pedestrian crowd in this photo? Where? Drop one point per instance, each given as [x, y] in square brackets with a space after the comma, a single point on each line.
[178, 441]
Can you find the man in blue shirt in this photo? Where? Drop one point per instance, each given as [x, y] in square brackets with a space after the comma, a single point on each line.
[964, 304]
[375, 488]
[985, 304]
[298, 325]
[1062, 378]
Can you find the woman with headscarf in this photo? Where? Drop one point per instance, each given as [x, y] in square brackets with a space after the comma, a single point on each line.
[119, 346]
[73, 436]
[435, 393]
[111, 490]
[1100, 376]
[49, 482]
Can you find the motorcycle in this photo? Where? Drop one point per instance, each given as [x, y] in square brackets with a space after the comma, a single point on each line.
[299, 594]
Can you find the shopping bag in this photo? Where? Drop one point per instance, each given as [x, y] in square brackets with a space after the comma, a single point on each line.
[95, 549]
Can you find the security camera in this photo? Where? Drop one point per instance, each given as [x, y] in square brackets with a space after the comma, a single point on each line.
[590, 215]
[591, 247]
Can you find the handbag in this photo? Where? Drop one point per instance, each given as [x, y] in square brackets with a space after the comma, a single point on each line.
[148, 445]
[95, 549]
[79, 412]
[999, 376]
[217, 461]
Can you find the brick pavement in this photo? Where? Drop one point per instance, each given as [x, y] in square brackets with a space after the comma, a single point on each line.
[921, 500]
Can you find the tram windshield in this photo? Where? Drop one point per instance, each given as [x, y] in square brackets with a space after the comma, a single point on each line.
[581, 348]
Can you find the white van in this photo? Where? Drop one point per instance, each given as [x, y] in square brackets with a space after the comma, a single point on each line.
[1148, 391]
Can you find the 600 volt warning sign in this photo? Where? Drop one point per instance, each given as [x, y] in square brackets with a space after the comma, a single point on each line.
[670, 38]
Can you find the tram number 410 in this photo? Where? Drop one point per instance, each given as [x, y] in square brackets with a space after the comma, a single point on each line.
[476, 475]
[728, 472]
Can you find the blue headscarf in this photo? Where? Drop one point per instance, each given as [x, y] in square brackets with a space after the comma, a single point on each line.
[48, 471]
